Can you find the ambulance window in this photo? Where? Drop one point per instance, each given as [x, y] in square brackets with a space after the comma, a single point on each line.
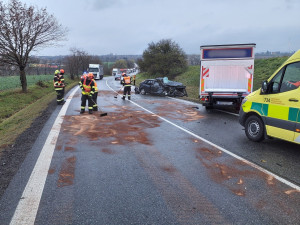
[291, 79]
[274, 84]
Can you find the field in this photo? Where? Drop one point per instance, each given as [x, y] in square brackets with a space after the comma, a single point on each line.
[12, 82]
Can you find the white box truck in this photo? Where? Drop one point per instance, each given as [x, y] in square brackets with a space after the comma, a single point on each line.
[115, 71]
[97, 70]
[226, 74]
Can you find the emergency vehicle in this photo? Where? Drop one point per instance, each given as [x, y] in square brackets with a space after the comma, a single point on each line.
[274, 109]
[226, 74]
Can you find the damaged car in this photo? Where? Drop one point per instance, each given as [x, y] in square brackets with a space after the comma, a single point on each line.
[163, 87]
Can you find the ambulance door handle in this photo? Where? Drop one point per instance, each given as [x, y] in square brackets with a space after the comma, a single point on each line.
[293, 100]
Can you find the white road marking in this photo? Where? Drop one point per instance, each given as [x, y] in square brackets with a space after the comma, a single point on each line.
[28, 205]
[199, 105]
[220, 148]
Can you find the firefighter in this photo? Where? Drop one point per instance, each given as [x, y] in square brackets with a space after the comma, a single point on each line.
[62, 72]
[59, 86]
[126, 81]
[133, 79]
[95, 95]
[87, 86]
[83, 75]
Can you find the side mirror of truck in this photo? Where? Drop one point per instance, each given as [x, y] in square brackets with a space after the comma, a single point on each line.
[264, 87]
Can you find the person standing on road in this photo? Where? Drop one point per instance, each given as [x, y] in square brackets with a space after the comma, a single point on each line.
[62, 73]
[87, 86]
[127, 86]
[133, 79]
[58, 83]
[95, 95]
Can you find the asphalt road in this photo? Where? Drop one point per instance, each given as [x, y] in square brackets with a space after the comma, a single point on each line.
[152, 160]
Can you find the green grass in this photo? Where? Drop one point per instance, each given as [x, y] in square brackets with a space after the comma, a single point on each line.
[18, 109]
[263, 69]
[11, 82]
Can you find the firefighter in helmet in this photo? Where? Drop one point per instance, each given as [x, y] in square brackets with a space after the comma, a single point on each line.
[95, 95]
[59, 85]
[62, 73]
[126, 81]
[87, 86]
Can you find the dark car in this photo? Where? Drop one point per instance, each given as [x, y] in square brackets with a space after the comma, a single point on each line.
[163, 87]
[118, 77]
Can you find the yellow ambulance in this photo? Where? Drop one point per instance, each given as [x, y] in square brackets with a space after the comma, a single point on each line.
[274, 109]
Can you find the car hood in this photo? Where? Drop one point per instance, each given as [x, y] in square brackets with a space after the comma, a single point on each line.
[174, 84]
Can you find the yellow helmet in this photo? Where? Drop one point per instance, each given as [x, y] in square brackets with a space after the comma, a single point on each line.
[56, 72]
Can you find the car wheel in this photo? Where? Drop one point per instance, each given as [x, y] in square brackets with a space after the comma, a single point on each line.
[254, 128]
[142, 91]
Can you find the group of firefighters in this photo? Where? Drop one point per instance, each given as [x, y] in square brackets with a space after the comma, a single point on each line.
[89, 89]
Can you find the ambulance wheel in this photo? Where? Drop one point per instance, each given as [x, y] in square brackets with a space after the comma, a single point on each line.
[254, 128]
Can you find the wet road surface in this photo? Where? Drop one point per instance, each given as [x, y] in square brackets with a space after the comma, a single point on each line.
[151, 161]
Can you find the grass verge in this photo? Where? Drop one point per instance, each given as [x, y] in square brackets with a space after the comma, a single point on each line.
[21, 109]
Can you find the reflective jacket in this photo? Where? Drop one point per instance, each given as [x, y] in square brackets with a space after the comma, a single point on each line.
[127, 81]
[58, 82]
[87, 86]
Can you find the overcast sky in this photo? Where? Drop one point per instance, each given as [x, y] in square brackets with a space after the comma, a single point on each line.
[127, 26]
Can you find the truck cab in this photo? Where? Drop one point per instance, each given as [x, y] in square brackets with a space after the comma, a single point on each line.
[274, 109]
[97, 70]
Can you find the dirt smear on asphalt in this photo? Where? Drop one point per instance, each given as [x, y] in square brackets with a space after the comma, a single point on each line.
[178, 111]
[241, 179]
[120, 127]
[67, 172]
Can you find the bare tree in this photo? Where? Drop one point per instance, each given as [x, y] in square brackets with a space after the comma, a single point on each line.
[79, 61]
[24, 29]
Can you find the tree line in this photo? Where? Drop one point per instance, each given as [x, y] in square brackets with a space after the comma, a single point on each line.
[24, 29]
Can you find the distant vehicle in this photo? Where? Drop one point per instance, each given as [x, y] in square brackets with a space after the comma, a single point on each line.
[115, 71]
[274, 109]
[97, 70]
[163, 87]
[118, 77]
[123, 71]
[226, 74]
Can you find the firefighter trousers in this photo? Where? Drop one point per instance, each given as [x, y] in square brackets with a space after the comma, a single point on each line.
[85, 98]
[127, 90]
[95, 106]
[59, 96]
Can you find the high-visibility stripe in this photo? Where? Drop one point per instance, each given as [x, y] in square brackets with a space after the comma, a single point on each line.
[277, 111]
[249, 83]
[202, 85]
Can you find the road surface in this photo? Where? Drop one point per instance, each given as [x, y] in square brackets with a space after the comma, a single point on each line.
[152, 160]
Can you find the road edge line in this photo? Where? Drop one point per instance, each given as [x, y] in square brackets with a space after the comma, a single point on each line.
[28, 205]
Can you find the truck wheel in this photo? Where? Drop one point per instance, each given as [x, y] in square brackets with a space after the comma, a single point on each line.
[254, 128]
[142, 91]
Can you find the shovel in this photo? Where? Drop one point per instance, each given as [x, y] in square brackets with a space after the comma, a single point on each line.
[116, 96]
[101, 114]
